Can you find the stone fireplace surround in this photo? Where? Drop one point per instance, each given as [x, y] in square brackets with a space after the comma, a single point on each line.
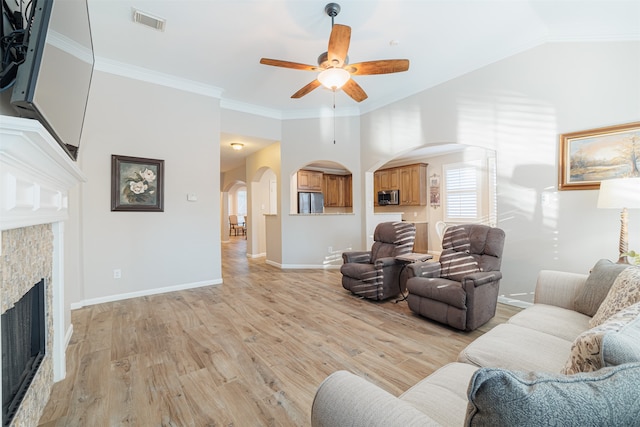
[35, 178]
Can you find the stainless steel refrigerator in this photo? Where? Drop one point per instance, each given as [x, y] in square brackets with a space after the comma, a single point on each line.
[310, 202]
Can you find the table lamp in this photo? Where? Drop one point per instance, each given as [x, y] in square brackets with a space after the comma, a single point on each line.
[622, 193]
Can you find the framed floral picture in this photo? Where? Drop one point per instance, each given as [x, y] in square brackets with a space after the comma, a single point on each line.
[590, 156]
[137, 184]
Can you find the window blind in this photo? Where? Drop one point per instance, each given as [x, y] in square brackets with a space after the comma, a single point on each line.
[461, 192]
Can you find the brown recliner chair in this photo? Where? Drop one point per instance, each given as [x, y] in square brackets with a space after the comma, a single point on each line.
[375, 274]
[461, 289]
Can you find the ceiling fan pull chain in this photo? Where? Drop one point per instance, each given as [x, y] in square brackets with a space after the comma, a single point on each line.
[334, 116]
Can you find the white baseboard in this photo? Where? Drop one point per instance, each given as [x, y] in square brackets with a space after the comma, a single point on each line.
[273, 263]
[260, 255]
[118, 297]
[303, 266]
[514, 302]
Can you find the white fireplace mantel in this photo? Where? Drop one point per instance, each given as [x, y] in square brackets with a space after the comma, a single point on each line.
[36, 175]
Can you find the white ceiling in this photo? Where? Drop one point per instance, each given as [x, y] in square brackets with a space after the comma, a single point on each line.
[214, 46]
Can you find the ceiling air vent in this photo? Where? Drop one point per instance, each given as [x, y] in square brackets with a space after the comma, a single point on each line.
[149, 20]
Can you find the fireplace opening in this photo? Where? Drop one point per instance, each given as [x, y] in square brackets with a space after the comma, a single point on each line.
[23, 348]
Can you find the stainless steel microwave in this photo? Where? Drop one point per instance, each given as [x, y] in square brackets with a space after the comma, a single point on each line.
[389, 197]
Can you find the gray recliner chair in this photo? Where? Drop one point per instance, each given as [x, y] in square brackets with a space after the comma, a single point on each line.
[375, 274]
[461, 289]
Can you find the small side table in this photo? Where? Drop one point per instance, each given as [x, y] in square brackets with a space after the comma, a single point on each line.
[407, 259]
[413, 257]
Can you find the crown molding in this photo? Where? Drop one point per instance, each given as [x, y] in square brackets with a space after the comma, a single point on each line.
[70, 46]
[150, 76]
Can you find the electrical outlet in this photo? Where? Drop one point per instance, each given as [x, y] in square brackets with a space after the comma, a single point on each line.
[330, 249]
[117, 273]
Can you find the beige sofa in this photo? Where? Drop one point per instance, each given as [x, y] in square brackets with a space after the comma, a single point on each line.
[534, 346]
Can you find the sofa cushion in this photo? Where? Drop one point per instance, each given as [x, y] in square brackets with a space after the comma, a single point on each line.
[345, 399]
[597, 285]
[610, 396]
[443, 394]
[552, 320]
[614, 342]
[519, 348]
[624, 292]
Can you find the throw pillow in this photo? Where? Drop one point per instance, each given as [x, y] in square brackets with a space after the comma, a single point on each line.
[610, 396]
[597, 285]
[624, 292]
[623, 347]
[614, 342]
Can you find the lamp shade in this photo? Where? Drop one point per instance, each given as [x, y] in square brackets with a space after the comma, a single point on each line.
[334, 78]
[619, 193]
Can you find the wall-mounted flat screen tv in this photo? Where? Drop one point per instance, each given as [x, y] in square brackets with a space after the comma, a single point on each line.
[52, 84]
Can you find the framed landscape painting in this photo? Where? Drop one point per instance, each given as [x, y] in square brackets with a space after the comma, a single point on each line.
[137, 184]
[595, 155]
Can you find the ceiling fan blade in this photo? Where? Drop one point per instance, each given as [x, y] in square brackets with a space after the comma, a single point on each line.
[288, 64]
[384, 66]
[306, 89]
[354, 90]
[338, 45]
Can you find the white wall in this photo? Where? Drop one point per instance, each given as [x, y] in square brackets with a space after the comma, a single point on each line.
[306, 238]
[179, 247]
[267, 238]
[248, 124]
[518, 107]
[260, 206]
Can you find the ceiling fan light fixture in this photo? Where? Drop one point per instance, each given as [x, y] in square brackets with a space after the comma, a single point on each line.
[334, 78]
[237, 146]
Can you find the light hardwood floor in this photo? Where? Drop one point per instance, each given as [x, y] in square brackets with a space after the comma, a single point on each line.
[249, 352]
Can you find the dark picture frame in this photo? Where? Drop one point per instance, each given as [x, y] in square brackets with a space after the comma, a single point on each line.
[588, 157]
[137, 184]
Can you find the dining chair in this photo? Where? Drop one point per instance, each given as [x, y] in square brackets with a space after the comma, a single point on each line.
[234, 225]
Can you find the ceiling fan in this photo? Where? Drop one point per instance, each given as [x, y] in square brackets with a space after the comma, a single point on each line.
[333, 65]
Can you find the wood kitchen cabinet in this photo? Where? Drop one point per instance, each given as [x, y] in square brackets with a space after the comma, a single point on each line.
[309, 180]
[421, 243]
[337, 190]
[386, 179]
[411, 180]
[413, 185]
[389, 179]
[348, 191]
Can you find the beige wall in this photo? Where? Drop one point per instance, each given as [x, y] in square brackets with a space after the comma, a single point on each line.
[154, 250]
[263, 167]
